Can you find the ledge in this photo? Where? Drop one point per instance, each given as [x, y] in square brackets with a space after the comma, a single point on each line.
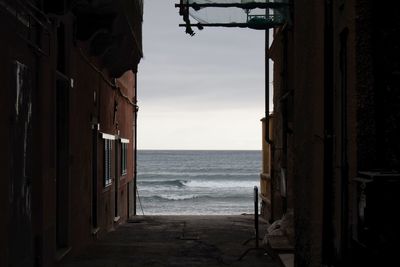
[107, 136]
[125, 141]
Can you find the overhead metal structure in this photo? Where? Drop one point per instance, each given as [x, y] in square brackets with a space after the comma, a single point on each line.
[253, 14]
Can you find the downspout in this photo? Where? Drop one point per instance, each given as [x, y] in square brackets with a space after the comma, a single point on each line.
[327, 221]
[135, 151]
[267, 137]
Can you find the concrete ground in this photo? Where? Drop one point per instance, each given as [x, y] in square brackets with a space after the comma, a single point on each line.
[177, 241]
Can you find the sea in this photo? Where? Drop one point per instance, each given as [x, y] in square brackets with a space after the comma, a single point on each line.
[197, 182]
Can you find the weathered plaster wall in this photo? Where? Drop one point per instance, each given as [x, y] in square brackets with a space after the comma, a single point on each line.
[28, 224]
[18, 115]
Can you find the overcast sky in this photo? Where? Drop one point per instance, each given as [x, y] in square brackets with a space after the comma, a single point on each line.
[200, 92]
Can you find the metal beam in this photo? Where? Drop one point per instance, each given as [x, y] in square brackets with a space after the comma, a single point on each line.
[272, 5]
[233, 25]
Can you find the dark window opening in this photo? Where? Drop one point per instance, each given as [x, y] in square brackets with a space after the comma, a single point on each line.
[124, 154]
[107, 162]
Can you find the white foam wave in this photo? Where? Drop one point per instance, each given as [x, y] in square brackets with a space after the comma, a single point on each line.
[221, 184]
[178, 197]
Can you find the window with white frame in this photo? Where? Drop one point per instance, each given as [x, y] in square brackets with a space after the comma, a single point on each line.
[108, 148]
[124, 156]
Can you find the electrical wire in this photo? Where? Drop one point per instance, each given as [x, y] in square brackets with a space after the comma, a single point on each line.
[140, 202]
[105, 79]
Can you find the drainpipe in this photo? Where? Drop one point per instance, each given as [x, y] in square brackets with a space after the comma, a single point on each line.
[267, 137]
[284, 106]
[135, 151]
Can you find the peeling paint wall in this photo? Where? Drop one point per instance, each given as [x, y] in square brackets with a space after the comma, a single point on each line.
[21, 156]
[17, 112]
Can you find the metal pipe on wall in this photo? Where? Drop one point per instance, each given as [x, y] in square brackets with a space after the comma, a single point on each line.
[267, 137]
[135, 151]
[284, 112]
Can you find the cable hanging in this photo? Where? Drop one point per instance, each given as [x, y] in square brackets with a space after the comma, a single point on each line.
[105, 79]
[140, 202]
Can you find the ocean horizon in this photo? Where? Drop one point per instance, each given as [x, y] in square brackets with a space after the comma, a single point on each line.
[197, 182]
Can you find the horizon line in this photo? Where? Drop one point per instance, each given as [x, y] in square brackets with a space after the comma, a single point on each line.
[194, 149]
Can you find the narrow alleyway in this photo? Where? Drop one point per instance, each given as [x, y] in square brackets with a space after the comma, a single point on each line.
[177, 241]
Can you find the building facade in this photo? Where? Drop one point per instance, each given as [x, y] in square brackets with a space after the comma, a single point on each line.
[334, 158]
[68, 120]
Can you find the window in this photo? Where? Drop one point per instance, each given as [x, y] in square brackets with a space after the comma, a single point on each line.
[108, 144]
[124, 156]
[107, 161]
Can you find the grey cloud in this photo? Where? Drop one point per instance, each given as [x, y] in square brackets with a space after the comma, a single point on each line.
[217, 71]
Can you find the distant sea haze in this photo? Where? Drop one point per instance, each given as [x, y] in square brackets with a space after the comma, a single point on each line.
[197, 182]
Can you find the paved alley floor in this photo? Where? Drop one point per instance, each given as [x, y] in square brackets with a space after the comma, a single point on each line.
[177, 241]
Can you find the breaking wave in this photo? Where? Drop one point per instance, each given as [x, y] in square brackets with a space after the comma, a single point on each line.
[173, 197]
[170, 183]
